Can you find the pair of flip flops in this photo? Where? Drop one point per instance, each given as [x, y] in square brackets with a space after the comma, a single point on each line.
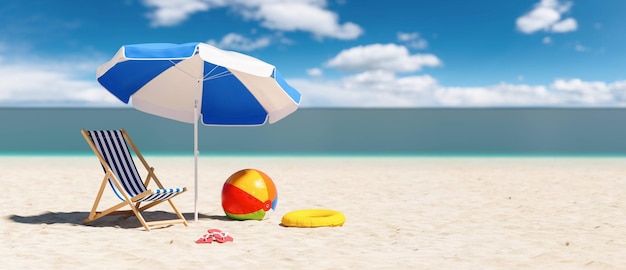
[214, 235]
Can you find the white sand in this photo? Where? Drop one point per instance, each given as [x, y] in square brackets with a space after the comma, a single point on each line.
[402, 213]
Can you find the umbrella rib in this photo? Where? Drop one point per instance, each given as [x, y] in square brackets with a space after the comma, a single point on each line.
[206, 77]
[182, 70]
[216, 76]
[209, 73]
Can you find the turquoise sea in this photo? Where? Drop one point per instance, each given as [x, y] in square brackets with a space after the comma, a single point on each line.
[430, 131]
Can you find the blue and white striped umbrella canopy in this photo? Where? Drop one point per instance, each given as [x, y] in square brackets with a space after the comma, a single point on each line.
[188, 81]
[170, 80]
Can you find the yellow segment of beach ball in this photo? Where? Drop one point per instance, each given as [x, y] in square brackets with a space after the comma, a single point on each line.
[255, 183]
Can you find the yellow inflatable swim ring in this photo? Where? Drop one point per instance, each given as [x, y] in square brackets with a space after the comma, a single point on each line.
[310, 218]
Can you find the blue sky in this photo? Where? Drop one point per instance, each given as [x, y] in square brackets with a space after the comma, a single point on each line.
[337, 53]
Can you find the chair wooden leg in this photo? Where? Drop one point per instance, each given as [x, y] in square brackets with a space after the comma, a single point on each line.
[180, 216]
[139, 216]
[109, 211]
[94, 208]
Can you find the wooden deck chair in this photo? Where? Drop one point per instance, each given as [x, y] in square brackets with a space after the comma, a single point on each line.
[111, 148]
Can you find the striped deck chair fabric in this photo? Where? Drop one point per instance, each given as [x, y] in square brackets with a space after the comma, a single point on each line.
[111, 147]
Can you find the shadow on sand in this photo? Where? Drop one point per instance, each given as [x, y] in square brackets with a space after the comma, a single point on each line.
[121, 221]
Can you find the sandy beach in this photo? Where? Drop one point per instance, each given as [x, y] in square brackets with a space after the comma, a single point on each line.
[401, 213]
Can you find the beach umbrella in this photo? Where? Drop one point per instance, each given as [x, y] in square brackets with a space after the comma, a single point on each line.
[194, 82]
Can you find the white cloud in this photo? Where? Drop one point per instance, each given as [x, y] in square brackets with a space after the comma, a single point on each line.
[547, 40]
[388, 57]
[577, 85]
[51, 84]
[563, 26]
[380, 80]
[580, 48]
[315, 72]
[233, 41]
[288, 16]
[412, 40]
[503, 94]
[334, 94]
[173, 12]
[618, 91]
[407, 36]
[587, 92]
[546, 16]
[383, 90]
[538, 19]
[284, 15]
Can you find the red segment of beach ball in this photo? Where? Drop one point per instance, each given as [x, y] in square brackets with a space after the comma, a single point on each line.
[248, 194]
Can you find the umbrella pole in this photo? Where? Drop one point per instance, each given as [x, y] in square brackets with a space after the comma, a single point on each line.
[195, 161]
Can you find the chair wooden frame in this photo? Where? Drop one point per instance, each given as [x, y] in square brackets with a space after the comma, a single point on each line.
[133, 202]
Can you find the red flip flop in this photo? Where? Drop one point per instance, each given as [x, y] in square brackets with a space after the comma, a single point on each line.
[207, 238]
[219, 236]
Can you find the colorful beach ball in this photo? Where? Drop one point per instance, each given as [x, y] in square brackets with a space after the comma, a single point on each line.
[248, 194]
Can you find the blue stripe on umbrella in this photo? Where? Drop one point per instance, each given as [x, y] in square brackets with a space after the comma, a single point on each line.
[226, 101]
[143, 71]
[292, 92]
[160, 50]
